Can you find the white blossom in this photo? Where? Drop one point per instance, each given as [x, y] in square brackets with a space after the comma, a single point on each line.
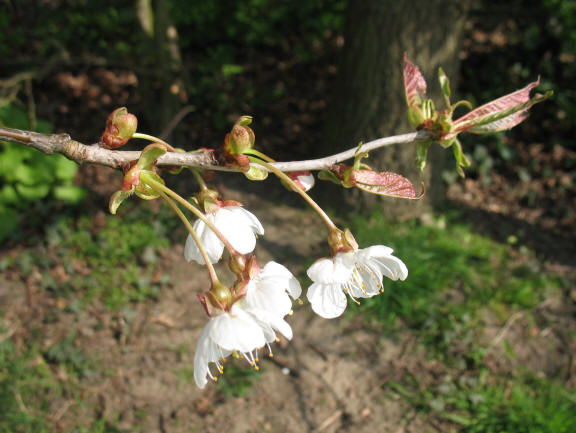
[237, 225]
[251, 323]
[357, 273]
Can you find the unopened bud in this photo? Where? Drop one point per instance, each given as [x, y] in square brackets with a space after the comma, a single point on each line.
[219, 296]
[239, 139]
[237, 263]
[120, 126]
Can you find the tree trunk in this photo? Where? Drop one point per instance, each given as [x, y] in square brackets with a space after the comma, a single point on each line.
[163, 87]
[369, 102]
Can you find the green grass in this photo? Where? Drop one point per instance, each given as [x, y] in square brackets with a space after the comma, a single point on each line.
[35, 383]
[453, 274]
[481, 404]
[114, 263]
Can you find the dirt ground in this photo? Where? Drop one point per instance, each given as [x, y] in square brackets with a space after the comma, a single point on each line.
[330, 378]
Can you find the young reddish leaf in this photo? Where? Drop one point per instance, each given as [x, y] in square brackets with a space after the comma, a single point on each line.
[414, 84]
[500, 114]
[386, 183]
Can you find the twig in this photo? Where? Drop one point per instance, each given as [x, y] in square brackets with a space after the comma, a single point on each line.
[504, 330]
[204, 158]
[330, 420]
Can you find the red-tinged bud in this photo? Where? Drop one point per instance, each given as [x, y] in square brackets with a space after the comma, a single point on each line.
[252, 267]
[131, 176]
[120, 126]
[239, 140]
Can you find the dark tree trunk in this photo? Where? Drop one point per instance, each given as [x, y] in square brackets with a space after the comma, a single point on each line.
[368, 101]
[164, 85]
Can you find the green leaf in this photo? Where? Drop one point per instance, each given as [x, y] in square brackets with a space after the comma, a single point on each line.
[8, 195]
[64, 168]
[70, 193]
[230, 69]
[35, 192]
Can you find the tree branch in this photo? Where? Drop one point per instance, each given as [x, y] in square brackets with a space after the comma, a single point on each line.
[94, 154]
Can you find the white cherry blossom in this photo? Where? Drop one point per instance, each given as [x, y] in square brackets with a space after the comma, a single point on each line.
[357, 273]
[251, 323]
[237, 225]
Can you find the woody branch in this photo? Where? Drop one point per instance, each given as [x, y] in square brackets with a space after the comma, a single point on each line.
[203, 158]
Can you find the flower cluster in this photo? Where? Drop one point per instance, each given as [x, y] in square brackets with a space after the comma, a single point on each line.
[248, 321]
[246, 317]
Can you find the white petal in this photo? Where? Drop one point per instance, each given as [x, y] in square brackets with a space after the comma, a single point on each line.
[377, 251]
[212, 244]
[281, 275]
[205, 349]
[237, 330]
[236, 230]
[331, 271]
[306, 181]
[268, 297]
[249, 217]
[270, 322]
[381, 257]
[392, 267]
[327, 300]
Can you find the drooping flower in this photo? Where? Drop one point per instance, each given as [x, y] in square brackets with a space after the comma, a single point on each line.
[237, 225]
[251, 321]
[358, 273]
[235, 330]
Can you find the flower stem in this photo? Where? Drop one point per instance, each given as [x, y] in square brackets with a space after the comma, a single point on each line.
[296, 188]
[198, 178]
[258, 154]
[153, 139]
[174, 206]
[157, 186]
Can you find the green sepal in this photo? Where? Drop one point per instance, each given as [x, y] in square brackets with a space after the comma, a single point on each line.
[256, 173]
[422, 154]
[149, 156]
[116, 200]
[461, 159]
[145, 191]
[444, 86]
[328, 175]
[415, 117]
